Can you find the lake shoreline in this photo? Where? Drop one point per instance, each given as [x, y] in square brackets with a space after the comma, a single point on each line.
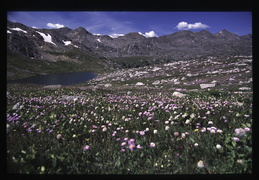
[63, 79]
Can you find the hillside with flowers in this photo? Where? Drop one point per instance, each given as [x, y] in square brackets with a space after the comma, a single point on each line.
[186, 117]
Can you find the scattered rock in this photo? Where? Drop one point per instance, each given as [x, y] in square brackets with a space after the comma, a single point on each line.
[203, 86]
[156, 82]
[244, 88]
[69, 98]
[53, 86]
[164, 81]
[156, 69]
[178, 94]
[9, 128]
[7, 94]
[17, 106]
[140, 84]
[107, 85]
[238, 103]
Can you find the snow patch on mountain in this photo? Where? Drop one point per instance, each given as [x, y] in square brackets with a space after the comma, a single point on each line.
[66, 42]
[47, 38]
[18, 29]
[116, 35]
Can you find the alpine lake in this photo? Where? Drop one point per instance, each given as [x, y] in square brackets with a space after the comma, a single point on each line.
[64, 79]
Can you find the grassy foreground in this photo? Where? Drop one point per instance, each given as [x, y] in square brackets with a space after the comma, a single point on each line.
[76, 129]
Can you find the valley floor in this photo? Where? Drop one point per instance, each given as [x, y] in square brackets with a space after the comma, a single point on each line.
[133, 122]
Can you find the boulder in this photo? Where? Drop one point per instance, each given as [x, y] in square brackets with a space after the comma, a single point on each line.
[156, 82]
[107, 85]
[17, 106]
[140, 84]
[9, 128]
[203, 86]
[178, 94]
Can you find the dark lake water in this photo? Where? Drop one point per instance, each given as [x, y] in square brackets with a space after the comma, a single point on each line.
[61, 78]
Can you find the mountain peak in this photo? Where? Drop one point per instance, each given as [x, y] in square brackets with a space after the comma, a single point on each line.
[204, 33]
[226, 34]
[81, 30]
[178, 45]
[134, 35]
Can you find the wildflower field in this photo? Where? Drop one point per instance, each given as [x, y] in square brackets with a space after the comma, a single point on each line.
[81, 130]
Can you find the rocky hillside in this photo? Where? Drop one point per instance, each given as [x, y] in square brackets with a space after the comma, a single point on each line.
[78, 47]
[218, 74]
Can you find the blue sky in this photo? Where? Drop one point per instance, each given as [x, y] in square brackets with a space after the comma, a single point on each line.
[148, 23]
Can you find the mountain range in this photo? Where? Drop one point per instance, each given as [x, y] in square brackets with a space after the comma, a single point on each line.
[132, 49]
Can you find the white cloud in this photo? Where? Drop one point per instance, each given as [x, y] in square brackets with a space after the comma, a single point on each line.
[149, 34]
[185, 26]
[55, 26]
[182, 25]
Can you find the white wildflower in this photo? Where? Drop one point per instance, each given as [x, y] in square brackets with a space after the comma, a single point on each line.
[218, 146]
[200, 164]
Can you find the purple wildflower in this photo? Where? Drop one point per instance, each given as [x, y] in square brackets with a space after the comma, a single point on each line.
[139, 147]
[236, 139]
[142, 133]
[152, 144]
[131, 141]
[131, 146]
[86, 148]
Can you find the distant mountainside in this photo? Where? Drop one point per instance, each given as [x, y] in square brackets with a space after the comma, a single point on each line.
[70, 45]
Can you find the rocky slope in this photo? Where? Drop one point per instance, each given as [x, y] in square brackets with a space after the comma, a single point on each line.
[221, 74]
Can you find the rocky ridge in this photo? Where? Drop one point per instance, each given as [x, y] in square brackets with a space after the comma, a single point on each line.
[48, 43]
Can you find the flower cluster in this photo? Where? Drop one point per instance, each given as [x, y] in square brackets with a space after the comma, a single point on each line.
[109, 128]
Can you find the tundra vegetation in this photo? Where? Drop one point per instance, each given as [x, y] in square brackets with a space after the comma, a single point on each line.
[184, 117]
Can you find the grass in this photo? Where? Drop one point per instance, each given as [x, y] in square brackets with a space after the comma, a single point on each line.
[127, 131]
[21, 67]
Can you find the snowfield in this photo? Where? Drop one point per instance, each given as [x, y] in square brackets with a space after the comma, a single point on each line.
[47, 38]
[18, 29]
[66, 42]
